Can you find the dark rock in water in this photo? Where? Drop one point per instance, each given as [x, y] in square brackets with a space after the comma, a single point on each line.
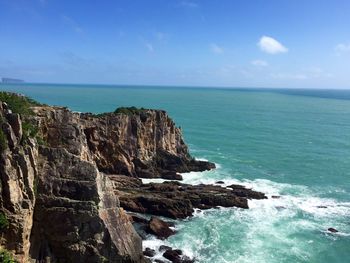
[333, 230]
[175, 256]
[280, 207]
[177, 200]
[321, 206]
[163, 248]
[159, 228]
[149, 252]
[172, 176]
[219, 182]
[275, 197]
[236, 186]
[138, 219]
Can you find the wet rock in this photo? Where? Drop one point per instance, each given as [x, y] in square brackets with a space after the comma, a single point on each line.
[321, 206]
[275, 197]
[173, 255]
[159, 228]
[138, 219]
[219, 182]
[176, 256]
[177, 200]
[236, 186]
[164, 248]
[149, 252]
[333, 230]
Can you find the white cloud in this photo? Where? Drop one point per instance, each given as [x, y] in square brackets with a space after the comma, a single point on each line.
[271, 45]
[260, 63]
[216, 49]
[341, 48]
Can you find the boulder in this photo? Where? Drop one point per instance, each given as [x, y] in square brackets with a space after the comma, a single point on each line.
[333, 230]
[149, 252]
[159, 228]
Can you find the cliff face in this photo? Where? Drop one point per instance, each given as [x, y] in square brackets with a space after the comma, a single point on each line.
[146, 144]
[18, 171]
[58, 197]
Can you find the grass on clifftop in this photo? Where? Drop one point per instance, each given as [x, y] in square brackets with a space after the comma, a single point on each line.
[21, 105]
[18, 103]
[129, 110]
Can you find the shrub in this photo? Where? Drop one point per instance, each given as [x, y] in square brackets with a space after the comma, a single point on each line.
[6, 257]
[4, 223]
[29, 131]
[21, 105]
[17, 103]
[129, 110]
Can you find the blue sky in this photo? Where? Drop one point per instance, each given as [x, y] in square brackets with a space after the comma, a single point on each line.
[261, 43]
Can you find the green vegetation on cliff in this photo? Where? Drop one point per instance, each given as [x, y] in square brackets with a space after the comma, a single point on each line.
[129, 110]
[6, 257]
[18, 103]
[21, 105]
[4, 223]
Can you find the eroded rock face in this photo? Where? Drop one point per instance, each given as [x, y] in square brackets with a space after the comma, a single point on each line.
[146, 145]
[17, 173]
[59, 206]
[88, 224]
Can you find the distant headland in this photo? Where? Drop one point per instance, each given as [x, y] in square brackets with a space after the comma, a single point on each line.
[11, 80]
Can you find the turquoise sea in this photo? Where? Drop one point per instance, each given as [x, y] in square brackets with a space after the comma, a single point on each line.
[285, 142]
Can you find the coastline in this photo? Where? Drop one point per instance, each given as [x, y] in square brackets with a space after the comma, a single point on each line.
[308, 205]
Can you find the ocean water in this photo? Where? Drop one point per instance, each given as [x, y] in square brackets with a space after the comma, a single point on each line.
[290, 143]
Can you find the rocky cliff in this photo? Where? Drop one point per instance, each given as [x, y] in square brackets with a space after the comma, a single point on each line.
[55, 195]
[57, 204]
[67, 177]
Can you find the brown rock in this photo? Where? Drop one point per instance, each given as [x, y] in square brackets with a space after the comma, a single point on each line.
[177, 200]
[159, 228]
